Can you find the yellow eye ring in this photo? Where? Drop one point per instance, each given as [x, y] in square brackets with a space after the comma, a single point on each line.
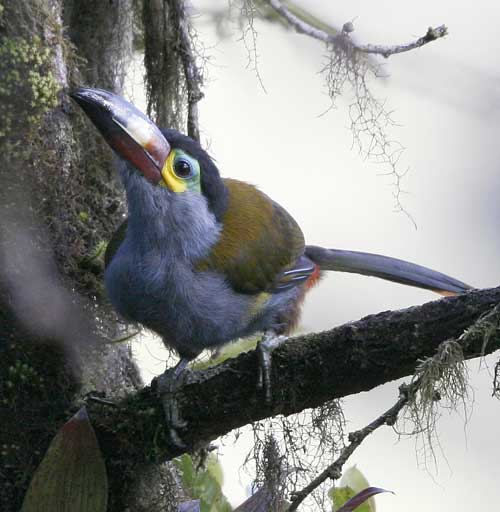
[181, 172]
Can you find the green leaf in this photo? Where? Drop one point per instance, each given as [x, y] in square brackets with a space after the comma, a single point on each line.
[354, 479]
[358, 501]
[186, 467]
[72, 475]
[215, 470]
[204, 484]
[352, 482]
[341, 495]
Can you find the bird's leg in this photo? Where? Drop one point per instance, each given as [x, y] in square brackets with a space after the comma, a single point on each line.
[168, 383]
[269, 342]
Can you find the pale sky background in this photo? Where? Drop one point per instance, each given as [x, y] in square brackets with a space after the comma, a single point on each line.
[446, 97]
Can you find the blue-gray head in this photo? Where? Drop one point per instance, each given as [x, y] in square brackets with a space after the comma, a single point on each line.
[167, 162]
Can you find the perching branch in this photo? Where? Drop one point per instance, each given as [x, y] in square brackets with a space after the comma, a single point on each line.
[307, 372]
[344, 38]
[334, 470]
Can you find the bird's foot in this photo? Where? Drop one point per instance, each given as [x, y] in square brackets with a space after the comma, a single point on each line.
[167, 385]
[270, 342]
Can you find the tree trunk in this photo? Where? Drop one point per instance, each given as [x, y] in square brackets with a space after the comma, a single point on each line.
[59, 203]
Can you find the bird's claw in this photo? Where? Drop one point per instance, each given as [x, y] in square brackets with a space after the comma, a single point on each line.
[167, 385]
[172, 413]
[270, 342]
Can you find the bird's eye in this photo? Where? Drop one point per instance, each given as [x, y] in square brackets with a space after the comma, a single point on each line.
[183, 168]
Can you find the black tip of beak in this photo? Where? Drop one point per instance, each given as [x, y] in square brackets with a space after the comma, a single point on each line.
[79, 95]
[126, 129]
[98, 106]
[91, 94]
[99, 98]
[75, 95]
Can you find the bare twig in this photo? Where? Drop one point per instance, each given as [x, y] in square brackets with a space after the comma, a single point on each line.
[299, 24]
[102, 401]
[249, 38]
[334, 470]
[127, 337]
[387, 50]
[344, 37]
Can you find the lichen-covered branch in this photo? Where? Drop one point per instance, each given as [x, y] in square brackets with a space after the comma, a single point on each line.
[344, 38]
[192, 72]
[173, 77]
[164, 80]
[102, 34]
[307, 372]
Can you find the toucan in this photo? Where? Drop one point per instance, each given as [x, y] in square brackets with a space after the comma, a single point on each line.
[204, 260]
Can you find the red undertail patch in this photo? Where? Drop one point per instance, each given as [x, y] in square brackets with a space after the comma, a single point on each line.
[314, 278]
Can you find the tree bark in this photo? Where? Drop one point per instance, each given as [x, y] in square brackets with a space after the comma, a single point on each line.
[58, 203]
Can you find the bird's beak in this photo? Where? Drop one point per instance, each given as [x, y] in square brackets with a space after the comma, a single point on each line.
[127, 130]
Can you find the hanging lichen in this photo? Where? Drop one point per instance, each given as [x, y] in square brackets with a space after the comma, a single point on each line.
[165, 83]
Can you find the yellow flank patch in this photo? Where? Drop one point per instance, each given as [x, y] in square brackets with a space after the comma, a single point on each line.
[258, 304]
[171, 181]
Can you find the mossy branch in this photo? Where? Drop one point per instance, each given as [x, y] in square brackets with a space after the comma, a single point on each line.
[307, 372]
[439, 381]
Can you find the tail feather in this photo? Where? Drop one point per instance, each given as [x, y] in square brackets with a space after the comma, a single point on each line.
[390, 269]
